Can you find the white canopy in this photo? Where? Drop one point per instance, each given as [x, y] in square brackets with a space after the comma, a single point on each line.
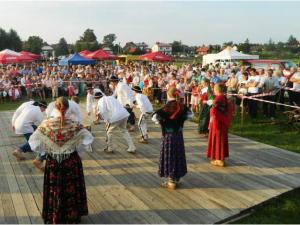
[9, 52]
[227, 54]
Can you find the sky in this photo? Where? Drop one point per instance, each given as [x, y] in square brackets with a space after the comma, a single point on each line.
[194, 23]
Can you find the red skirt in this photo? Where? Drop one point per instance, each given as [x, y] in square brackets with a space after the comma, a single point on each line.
[64, 199]
[217, 148]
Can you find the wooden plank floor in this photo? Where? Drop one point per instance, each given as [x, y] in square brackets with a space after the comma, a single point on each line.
[124, 188]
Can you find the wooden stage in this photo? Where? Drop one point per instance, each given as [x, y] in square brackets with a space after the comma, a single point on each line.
[125, 188]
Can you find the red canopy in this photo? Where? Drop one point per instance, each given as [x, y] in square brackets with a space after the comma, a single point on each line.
[30, 54]
[25, 58]
[8, 58]
[101, 55]
[84, 52]
[157, 57]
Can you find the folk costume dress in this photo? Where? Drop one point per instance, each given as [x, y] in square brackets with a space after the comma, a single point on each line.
[171, 117]
[205, 96]
[220, 118]
[64, 194]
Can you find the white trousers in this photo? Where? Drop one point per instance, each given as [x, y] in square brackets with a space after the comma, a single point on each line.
[120, 126]
[142, 124]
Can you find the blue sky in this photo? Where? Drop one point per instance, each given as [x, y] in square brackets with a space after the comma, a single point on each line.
[194, 23]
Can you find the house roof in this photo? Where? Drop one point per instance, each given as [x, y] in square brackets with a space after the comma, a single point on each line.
[202, 49]
[163, 44]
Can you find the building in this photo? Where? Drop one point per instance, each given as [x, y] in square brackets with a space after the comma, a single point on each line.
[202, 50]
[142, 45]
[48, 52]
[107, 49]
[162, 47]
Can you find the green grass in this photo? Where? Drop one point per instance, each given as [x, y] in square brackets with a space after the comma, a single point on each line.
[277, 133]
[282, 210]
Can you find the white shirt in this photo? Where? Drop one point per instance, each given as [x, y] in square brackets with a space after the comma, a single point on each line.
[19, 111]
[143, 103]
[72, 113]
[252, 79]
[262, 81]
[295, 85]
[111, 110]
[30, 115]
[124, 94]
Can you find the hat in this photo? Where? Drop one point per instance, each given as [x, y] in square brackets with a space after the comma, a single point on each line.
[114, 79]
[137, 89]
[43, 104]
[98, 95]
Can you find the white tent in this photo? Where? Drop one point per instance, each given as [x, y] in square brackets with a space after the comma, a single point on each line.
[228, 54]
[9, 52]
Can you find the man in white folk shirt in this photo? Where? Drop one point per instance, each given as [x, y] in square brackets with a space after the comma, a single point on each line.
[19, 111]
[146, 109]
[115, 116]
[28, 117]
[125, 96]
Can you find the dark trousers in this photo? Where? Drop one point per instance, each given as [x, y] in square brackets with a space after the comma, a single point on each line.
[252, 107]
[131, 118]
[281, 98]
[294, 98]
[26, 147]
[269, 109]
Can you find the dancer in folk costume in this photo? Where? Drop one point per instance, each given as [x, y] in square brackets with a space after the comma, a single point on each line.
[206, 100]
[64, 193]
[146, 108]
[125, 96]
[220, 118]
[26, 119]
[171, 117]
[115, 116]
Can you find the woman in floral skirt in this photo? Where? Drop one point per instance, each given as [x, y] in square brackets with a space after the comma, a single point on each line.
[64, 195]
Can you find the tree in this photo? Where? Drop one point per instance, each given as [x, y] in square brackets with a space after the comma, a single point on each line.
[271, 45]
[226, 44]
[292, 41]
[88, 36]
[3, 39]
[177, 47]
[14, 40]
[62, 47]
[34, 44]
[245, 47]
[88, 41]
[109, 39]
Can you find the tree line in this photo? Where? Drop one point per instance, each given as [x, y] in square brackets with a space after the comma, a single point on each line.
[89, 41]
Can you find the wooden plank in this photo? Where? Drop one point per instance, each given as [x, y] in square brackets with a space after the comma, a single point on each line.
[16, 196]
[138, 176]
[120, 198]
[30, 203]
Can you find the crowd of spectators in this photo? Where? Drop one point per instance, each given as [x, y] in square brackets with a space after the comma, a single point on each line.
[48, 80]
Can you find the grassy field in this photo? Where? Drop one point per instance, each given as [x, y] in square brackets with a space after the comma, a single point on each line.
[286, 208]
[277, 133]
[282, 210]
